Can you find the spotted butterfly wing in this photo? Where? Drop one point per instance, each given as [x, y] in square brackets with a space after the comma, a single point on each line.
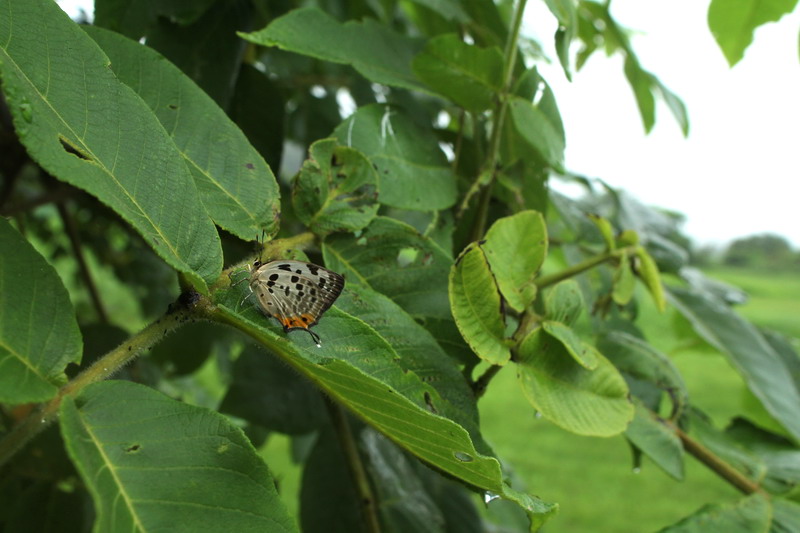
[294, 292]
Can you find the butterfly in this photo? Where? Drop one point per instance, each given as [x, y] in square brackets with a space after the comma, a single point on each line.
[294, 292]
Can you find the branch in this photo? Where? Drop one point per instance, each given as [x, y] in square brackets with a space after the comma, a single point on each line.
[716, 463]
[184, 309]
[509, 60]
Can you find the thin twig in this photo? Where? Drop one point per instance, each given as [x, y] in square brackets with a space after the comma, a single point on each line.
[74, 238]
[366, 498]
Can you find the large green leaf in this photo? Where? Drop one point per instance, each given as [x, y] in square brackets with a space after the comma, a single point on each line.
[373, 49]
[587, 402]
[153, 463]
[413, 172]
[764, 371]
[732, 22]
[86, 128]
[477, 307]
[786, 516]
[537, 129]
[396, 260]
[636, 358]
[515, 248]
[358, 368]
[419, 353]
[656, 440]
[236, 186]
[780, 456]
[38, 331]
[336, 190]
[268, 393]
[752, 513]
[134, 17]
[466, 74]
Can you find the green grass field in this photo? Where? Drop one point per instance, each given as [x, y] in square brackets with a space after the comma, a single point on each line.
[593, 479]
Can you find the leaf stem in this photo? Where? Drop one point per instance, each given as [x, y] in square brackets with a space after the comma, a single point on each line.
[43, 415]
[579, 268]
[482, 383]
[509, 60]
[716, 464]
[366, 498]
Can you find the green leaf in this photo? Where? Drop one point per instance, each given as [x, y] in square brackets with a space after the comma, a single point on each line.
[466, 74]
[151, 462]
[476, 305]
[358, 368]
[413, 172]
[328, 498]
[657, 441]
[648, 273]
[764, 371]
[779, 455]
[605, 228]
[636, 358]
[236, 186]
[786, 516]
[373, 49]
[751, 513]
[645, 87]
[208, 49]
[266, 392]
[419, 353]
[564, 302]
[584, 354]
[732, 22]
[405, 504]
[515, 247]
[624, 282]
[641, 82]
[586, 402]
[335, 190]
[39, 335]
[86, 128]
[537, 128]
[567, 14]
[134, 17]
[396, 260]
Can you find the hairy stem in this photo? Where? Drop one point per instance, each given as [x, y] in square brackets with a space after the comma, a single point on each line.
[344, 434]
[103, 368]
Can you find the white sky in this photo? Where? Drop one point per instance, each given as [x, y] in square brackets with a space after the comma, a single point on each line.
[737, 173]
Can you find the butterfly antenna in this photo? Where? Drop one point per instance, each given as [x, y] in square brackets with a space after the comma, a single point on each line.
[315, 337]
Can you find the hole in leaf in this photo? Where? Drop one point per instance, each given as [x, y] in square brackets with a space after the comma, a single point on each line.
[463, 457]
[133, 448]
[406, 256]
[68, 147]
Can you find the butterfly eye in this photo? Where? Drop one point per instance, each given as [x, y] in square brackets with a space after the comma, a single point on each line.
[256, 263]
